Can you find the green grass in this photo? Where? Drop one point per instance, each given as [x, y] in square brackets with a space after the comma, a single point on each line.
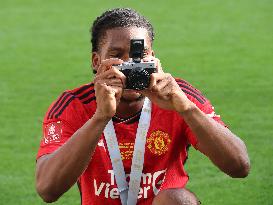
[222, 47]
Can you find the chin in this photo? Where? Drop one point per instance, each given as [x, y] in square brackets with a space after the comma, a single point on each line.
[131, 96]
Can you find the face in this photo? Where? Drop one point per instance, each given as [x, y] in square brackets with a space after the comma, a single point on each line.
[116, 44]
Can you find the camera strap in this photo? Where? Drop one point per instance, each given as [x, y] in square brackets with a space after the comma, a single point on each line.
[129, 194]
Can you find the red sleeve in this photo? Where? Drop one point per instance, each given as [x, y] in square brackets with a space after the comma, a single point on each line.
[209, 110]
[202, 103]
[62, 120]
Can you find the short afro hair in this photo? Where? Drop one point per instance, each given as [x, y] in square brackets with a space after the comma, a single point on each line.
[118, 17]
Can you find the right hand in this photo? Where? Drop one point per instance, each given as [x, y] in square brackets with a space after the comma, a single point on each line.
[108, 83]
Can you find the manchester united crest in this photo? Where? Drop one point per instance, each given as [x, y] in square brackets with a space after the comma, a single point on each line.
[158, 142]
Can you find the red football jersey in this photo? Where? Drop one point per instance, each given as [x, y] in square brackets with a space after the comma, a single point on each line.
[166, 146]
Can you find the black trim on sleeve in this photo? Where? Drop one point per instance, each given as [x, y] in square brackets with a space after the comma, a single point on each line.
[85, 95]
[192, 90]
[59, 104]
[82, 89]
[89, 100]
[62, 102]
[54, 106]
[193, 95]
[64, 106]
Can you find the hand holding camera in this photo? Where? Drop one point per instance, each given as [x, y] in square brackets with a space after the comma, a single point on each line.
[108, 84]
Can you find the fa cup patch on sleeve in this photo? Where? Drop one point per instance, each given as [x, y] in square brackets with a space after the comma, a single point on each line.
[52, 132]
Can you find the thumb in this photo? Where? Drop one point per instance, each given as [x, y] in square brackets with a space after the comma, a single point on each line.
[145, 92]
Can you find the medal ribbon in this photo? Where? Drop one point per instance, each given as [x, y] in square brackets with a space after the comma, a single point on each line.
[129, 194]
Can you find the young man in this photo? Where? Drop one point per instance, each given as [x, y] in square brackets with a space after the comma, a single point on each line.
[76, 147]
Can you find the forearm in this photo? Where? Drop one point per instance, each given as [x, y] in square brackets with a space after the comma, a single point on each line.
[224, 149]
[59, 171]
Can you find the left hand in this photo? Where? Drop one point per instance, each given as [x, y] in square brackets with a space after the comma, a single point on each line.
[164, 91]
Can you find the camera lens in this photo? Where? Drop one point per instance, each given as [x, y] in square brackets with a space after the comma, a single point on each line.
[138, 79]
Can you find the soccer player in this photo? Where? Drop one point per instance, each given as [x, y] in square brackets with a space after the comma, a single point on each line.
[89, 130]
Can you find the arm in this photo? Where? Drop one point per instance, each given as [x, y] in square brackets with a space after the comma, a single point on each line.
[58, 171]
[224, 149]
[219, 144]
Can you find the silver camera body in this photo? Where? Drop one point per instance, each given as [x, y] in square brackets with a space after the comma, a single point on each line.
[137, 74]
[136, 71]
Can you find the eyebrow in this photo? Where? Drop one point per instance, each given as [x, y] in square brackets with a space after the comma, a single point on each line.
[116, 48]
[122, 49]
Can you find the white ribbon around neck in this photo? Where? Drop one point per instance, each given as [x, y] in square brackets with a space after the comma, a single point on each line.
[129, 195]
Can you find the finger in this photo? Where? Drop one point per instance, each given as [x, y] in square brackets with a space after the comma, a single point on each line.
[147, 93]
[114, 82]
[107, 64]
[99, 84]
[160, 85]
[118, 93]
[111, 61]
[108, 86]
[101, 89]
[165, 92]
[112, 73]
[148, 58]
[159, 67]
[118, 74]
[154, 78]
[156, 61]
[143, 92]
[117, 90]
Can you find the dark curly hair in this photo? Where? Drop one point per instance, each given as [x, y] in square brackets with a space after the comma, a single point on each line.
[118, 17]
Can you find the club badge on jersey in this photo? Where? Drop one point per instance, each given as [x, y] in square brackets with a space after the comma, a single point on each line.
[52, 132]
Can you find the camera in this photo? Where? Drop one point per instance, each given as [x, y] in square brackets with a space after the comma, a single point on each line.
[136, 71]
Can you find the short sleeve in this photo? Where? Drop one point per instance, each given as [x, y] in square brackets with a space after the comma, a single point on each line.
[202, 103]
[61, 121]
[208, 109]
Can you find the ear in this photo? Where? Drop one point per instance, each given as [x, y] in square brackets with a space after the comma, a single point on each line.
[96, 60]
[153, 53]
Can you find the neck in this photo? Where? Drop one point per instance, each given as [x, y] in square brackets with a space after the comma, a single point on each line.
[125, 109]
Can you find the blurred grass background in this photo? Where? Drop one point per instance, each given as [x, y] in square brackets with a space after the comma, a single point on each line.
[224, 48]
